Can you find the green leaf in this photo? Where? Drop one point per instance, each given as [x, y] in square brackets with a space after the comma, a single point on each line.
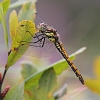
[31, 83]
[47, 85]
[27, 12]
[13, 24]
[59, 67]
[3, 9]
[45, 88]
[28, 69]
[5, 5]
[4, 25]
[24, 31]
[16, 93]
[93, 85]
[21, 2]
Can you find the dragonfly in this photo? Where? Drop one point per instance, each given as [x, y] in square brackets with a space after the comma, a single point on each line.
[50, 33]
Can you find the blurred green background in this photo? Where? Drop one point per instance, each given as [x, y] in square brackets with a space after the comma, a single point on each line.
[78, 24]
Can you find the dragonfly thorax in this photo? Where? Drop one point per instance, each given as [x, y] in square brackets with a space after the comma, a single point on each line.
[49, 31]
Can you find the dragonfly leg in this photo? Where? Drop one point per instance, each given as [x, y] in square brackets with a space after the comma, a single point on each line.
[39, 40]
[43, 41]
[32, 42]
[36, 36]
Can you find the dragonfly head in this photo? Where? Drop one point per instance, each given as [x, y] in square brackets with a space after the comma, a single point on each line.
[42, 27]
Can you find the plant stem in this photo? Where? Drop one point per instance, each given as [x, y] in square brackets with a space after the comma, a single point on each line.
[3, 77]
[1, 82]
[1, 97]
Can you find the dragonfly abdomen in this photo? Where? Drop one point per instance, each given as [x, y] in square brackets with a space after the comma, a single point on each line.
[61, 49]
[73, 67]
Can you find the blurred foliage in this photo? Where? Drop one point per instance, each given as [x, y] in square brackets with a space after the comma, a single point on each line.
[40, 82]
[27, 12]
[96, 67]
[84, 30]
[47, 85]
[16, 93]
[3, 9]
[5, 5]
[21, 2]
[28, 69]
[94, 83]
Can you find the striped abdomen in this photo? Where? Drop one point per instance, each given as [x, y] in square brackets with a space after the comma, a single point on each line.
[61, 49]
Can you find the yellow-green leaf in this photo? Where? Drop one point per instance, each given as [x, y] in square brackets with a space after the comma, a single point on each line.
[5, 5]
[93, 85]
[97, 67]
[24, 32]
[21, 2]
[4, 25]
[27, 12]
[13, 24]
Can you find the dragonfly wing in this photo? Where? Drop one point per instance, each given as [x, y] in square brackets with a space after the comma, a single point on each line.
[38, 49]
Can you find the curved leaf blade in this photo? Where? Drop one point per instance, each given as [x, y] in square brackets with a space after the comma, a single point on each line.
[27, 12]
[16, 92]
[28, 68]
[21, 2]
[3, 9]
[13, 24]
[5, 5]
[59, 67]
[4, 25]
[93, 85]
[47, 85]
[45, 88]
[97, 67]
[24, 31]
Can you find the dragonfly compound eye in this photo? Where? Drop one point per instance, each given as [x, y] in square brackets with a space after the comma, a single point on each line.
[42, 27]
